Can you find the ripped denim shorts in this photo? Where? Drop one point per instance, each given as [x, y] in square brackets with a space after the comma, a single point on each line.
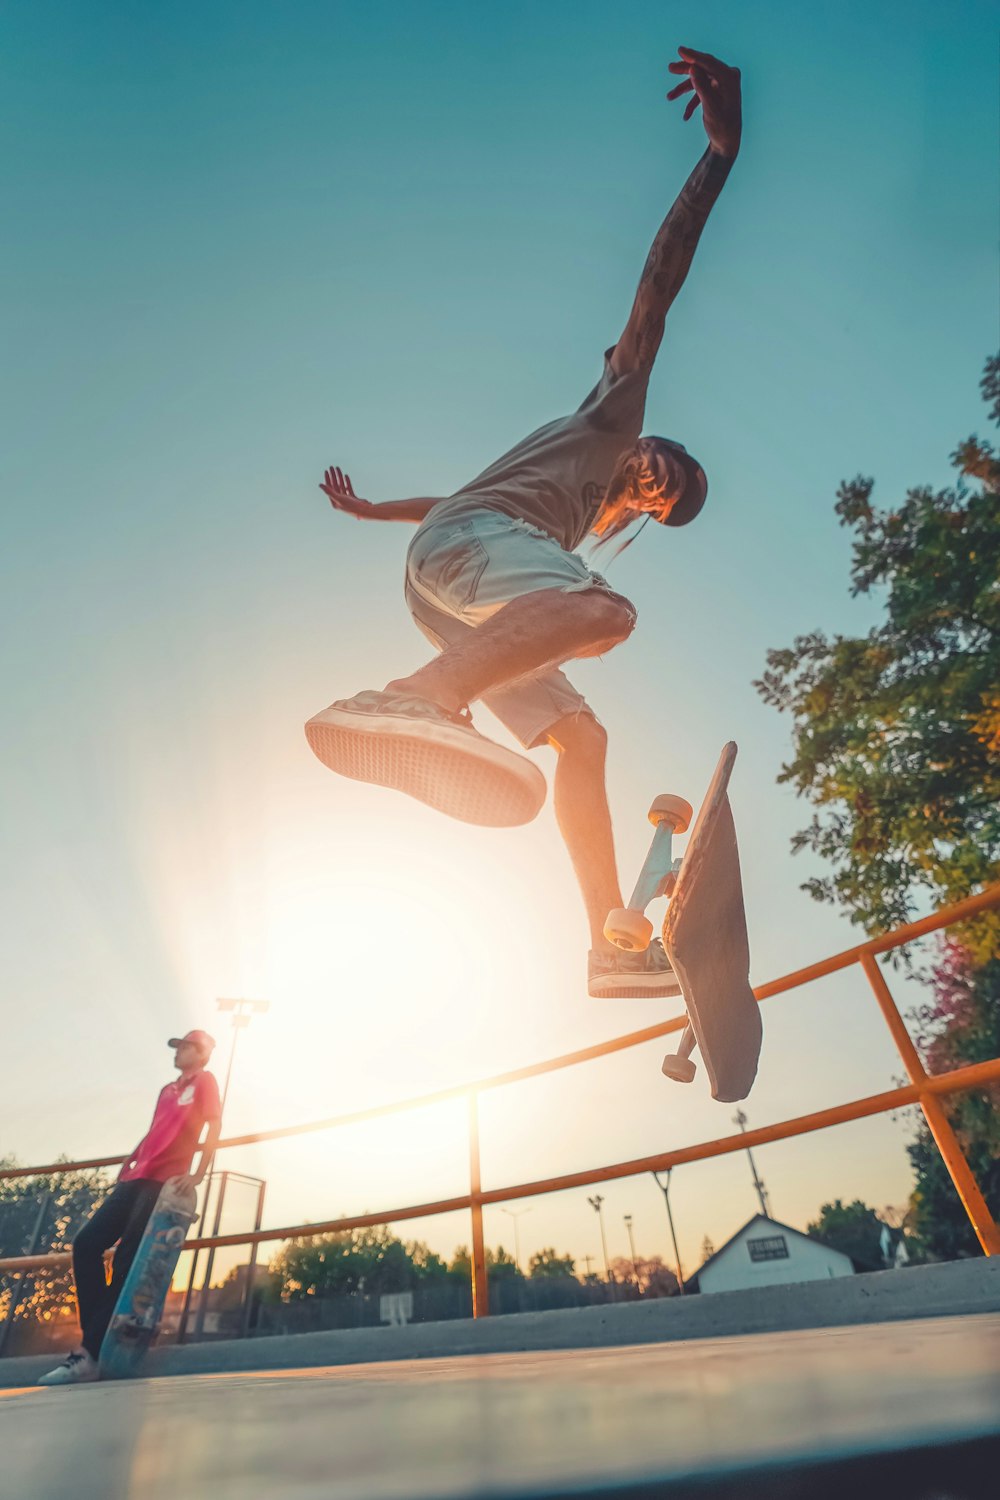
[462, 569]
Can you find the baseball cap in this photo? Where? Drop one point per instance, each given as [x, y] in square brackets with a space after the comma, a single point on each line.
[199, 1039]
[695, 487]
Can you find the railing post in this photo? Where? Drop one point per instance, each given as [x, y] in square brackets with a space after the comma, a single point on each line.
[480, 1285]
[937, 1121]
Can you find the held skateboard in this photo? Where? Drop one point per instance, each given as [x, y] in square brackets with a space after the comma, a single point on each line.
[704, 934]
[137, 1313]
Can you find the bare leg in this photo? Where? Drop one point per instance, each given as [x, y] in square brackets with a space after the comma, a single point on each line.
[581, 808]
[528, 635]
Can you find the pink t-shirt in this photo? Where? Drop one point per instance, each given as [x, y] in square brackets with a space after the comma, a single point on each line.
[178, 1120]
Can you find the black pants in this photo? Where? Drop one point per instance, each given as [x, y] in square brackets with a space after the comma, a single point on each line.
[121, 1218]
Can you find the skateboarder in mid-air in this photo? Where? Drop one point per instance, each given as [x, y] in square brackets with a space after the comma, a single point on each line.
[183, 1109]
[494, 582]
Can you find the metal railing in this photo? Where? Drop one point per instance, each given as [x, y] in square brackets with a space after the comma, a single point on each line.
[924, 1089]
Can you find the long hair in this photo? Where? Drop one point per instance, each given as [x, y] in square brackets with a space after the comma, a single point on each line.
[632, 495]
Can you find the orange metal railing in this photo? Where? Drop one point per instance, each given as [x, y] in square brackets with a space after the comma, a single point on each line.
[926, 1090]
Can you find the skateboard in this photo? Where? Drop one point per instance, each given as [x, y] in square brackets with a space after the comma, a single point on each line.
[704, 934]
[135, 1320]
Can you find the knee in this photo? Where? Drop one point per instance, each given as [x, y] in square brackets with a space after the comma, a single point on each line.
[580, 735]
[614, 615]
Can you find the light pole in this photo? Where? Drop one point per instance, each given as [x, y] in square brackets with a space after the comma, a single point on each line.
[515, 1214]
[665, 1190]
[740, 1119]
[242, 1011]
[595, 1204]
[631, 1244]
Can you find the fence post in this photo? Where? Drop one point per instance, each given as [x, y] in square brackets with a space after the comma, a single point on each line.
[480, 1285]
[937, 1121]
[248, 1301]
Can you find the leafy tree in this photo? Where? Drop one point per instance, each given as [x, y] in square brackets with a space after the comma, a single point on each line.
[961, 1025]
[896, 739]
[371, 1259]
[547, 1263]
[58, 1206]
[853, 1228]
[896, 733]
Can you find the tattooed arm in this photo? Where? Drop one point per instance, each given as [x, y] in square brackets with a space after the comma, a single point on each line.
[716, 88]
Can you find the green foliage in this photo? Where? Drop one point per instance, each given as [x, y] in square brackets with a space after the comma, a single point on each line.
[65, 1201]
[547, 1263]
[960, 1026]
[852, 1228]
[896, 733]
[371, 1260]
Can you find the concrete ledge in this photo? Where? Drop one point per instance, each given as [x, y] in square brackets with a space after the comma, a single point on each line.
[956, 1288]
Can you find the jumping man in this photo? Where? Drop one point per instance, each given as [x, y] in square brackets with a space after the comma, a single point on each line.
[494, 581]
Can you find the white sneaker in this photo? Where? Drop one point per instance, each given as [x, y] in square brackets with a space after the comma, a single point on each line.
[624, 976]
[76, 1369]
[398, 740]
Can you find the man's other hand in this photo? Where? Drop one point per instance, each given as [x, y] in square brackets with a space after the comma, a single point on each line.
[339, 491]
[716, 87]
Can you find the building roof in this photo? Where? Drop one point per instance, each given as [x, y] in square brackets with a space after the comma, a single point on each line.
[785, 1229]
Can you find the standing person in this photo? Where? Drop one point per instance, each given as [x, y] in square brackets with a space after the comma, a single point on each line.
[494, 582]
[183, 1109]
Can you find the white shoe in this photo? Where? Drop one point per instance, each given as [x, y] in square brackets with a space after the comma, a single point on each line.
[418, 747]
[76, 1369]
[635, 976]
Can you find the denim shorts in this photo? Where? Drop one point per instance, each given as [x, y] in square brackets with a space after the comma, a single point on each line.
[461, 570]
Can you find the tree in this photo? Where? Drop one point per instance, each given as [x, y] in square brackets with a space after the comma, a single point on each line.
[896, 733]
[896, 739]
[853, 1228]
[960, 1025]
[371, 1259]
[58, 1206]
[547, 1263]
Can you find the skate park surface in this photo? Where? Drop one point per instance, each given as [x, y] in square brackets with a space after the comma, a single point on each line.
[901, 1409]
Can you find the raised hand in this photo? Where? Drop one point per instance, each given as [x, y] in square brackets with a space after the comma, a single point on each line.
[339, 491]
[716, 87]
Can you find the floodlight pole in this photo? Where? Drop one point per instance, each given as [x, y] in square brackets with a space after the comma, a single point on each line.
[595, 1204]
[631, 1242]
[665, 1190]
[740, 1119]
[515, 1214]
[242, 1011]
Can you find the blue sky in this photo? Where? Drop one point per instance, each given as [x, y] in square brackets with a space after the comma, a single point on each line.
[246, 241]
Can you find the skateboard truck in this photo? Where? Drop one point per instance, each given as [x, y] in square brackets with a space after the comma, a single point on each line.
[628, 927]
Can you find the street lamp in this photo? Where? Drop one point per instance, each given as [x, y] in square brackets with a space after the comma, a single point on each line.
[665, 1190]
[242, 1011]
[595, 1204]
[740, 1119]
[515, 1214]
[631, 1242]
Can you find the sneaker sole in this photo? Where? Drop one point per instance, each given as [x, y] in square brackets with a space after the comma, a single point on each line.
[634, 987]
[475, 781]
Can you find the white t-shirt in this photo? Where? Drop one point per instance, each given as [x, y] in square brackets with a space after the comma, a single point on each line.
[557, 477]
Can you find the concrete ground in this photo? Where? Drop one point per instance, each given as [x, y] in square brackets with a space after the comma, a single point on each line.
[904, 1411]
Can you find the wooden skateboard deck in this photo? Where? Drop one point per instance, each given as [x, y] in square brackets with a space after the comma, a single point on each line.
[705, 935]
[139, 1308]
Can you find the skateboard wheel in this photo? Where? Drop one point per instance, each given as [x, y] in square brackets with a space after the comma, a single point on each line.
[672, 810]
[680, 1069]
[628, 929]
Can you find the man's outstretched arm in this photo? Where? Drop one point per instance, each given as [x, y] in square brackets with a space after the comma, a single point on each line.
[339, 491]
[716, 88]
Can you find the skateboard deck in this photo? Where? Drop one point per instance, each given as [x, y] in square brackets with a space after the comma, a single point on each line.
[137, 1313]
[705, 937]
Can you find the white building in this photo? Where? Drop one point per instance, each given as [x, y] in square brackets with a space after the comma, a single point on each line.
[766, 1253]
